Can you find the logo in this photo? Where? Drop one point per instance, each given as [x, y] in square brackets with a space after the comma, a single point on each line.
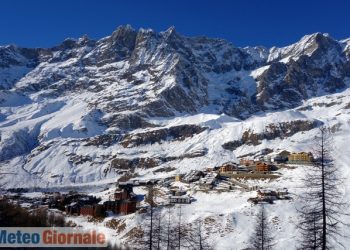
[51, 237]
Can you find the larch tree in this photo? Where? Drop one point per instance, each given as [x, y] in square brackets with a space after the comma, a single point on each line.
[262, 238]
[198, 238]
[322, 202]
[149, 237]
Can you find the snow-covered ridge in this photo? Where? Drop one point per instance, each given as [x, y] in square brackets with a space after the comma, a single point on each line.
[64, 111]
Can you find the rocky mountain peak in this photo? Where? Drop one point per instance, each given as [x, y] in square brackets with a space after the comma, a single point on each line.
[204, 72]
[124, 36]
[170, 35]
[84, 91]
[123, 31]
[145, 34]
[307, 45]
[170, 31]
[85, 41]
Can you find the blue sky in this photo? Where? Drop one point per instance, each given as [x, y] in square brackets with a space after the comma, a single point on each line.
[40, 23]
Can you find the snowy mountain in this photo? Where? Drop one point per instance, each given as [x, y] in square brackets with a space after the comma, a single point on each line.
[161, 103]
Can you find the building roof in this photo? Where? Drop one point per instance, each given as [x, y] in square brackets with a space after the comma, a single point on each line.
[301, 153]
[266, 191]
[179, 197]
[209, 178]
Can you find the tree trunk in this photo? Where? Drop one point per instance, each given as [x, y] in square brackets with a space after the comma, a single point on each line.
[324, 218]
[151, 230]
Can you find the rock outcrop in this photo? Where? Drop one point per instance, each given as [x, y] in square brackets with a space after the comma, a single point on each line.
[157, 136]
[272, 131]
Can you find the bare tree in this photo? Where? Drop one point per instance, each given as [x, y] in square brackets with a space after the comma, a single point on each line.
[310, 226]
[321, 212]
[262, 238]
[198, 238]
[179, 228]
[148, 240]
[158, 231]
[161, 229]
[168, 232]
[181, 232]
[151, 203]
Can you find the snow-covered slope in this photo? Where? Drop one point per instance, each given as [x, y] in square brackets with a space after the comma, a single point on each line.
[81, 111]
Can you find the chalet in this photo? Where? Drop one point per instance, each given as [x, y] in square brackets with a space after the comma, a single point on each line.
[264, 195]
[128, 207]
[280, 159]
[246, 162]
[280, 194]
[300, 158]
[72, 202]
[180, 199]
[111, 206]
[87, 210]
[228, 167]
[121, 194]
[263, 167]
[270, 195]
[267, 194]
[124, 202]
[95, 210]
[177, 192]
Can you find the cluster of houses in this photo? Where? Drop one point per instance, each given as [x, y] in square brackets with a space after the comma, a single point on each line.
[268, 162]
[231, 167]
[80, 205]
[291, 158]
[223, 177]
[25, 202]
[270, 195]
[208, 178]
[123, 201]
[258, 166]
[179, 196]
[53, 200]
[300, 158]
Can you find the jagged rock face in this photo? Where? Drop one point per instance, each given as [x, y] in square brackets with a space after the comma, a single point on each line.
[161, 74]
[271, 132]
[157, 136]
[314, 66]
[133, 163]
[143, 163]
[168, 67]
[84, 100]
